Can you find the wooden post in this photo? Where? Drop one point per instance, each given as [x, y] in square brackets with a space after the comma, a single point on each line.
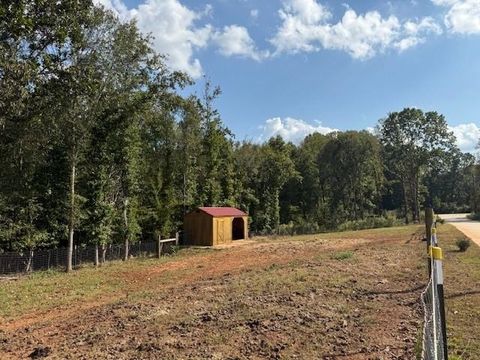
[159, 246]
[177, 239]
[428, 225]
[428, 235]
[96, 260]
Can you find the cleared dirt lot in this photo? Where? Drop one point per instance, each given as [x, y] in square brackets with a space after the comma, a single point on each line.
[332, 296]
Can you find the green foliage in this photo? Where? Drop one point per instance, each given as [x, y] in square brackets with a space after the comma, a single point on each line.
[91, 95]
[463, 244]
[475, 217]
[299, 228]
[417, 147]
[370, 223]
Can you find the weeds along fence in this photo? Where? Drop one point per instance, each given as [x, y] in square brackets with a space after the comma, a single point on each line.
[434, 344]
[18, 262]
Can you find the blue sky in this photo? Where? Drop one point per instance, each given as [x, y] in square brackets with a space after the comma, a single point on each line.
[291, 67]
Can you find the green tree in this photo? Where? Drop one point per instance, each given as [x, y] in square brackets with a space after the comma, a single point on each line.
[276, 168]
[352, 175]
[412, 142]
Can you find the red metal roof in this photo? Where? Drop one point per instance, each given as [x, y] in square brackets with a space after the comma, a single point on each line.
[222, 211]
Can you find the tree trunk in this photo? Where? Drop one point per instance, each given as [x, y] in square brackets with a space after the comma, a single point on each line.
[475, 204]
[30, 259]
[416, 205]
[125, 219]
[97, 262]
[405, 201]
[104, 253]
[71, 220]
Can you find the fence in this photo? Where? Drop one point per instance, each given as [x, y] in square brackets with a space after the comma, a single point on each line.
[12, 263]
[434, 344]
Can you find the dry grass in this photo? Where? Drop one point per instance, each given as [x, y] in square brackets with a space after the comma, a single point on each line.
[462, 292]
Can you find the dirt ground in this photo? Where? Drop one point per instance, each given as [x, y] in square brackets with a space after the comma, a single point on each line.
[340, 296]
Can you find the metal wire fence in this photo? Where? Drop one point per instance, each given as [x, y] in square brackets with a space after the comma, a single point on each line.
[20, 262]
[434, 343]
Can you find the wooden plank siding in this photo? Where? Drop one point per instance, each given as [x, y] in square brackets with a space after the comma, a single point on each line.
[205, 230]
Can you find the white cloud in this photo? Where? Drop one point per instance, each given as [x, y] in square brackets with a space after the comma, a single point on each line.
[306, 27]
[295, 130]
[254, 14]
[463, 16]
[290, 129]
[468, 136]
[173, 27]
[176, 32]
[235, 40]
[414, 31]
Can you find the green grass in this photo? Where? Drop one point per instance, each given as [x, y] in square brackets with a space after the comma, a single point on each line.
[50, 289]
[462, 291]
[397, 232]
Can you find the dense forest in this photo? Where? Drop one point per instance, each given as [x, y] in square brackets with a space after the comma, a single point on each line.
[98, 145]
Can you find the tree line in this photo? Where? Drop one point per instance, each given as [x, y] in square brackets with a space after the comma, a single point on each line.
[98, 145]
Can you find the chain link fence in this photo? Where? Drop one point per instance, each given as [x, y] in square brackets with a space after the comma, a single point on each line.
[433, 344]
[20, 262]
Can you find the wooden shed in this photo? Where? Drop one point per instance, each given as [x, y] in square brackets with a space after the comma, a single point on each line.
[210, 226]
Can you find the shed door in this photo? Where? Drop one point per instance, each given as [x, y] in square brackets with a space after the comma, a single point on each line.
[220, 231]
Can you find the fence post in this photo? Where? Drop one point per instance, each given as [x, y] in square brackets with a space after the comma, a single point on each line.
[428, 225]
[159, 246]
[177, 239]
[428, 235]
[437, 255]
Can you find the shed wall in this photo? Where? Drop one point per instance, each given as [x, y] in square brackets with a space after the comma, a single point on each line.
[199, 229]
[222, 230]
[204, 230]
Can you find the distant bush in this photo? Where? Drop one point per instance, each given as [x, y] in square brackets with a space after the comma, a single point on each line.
[304, 227]
[463, 244]
[440, 220]
[475, 217]
[301, 228]
[370, 223]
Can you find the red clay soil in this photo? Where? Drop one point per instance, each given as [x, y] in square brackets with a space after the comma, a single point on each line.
[326, 299]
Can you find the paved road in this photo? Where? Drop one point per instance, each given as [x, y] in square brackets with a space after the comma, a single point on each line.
[470, 228]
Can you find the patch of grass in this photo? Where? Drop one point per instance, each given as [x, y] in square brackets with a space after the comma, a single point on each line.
[404, 232]
[439, 220]
[344, 255]
[44, 290]
[462, 292]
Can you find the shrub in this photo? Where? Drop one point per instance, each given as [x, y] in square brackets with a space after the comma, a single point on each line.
[370, 223]
[299, 228]
[475, 217]
[463, 244]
